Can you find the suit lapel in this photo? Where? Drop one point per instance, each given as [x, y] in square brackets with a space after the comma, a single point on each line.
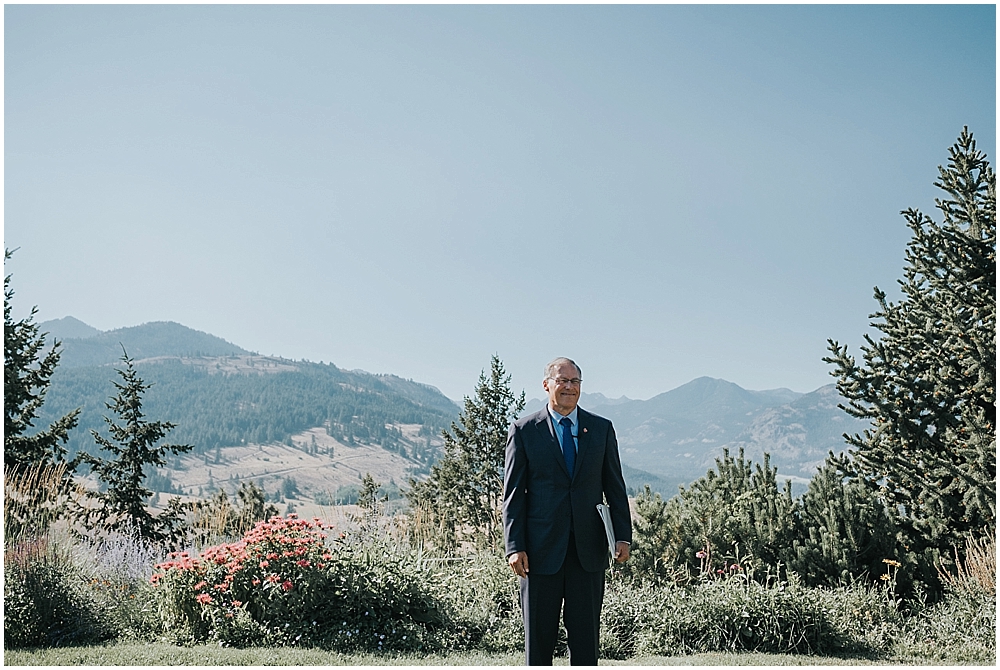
[543, 423]
[583, 437]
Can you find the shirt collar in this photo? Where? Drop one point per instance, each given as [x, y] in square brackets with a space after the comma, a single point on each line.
[556, 416]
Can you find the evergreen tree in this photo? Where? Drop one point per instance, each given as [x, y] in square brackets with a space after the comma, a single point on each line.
[928, 384]
[737, 510]
[653, 550]
[26, 377]
[464, 492]
[121, 506]
[846, 530]
[368, 498]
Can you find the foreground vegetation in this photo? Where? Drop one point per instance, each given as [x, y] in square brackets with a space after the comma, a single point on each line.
[285, 594]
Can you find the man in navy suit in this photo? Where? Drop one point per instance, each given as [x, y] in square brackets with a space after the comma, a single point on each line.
[560, 463]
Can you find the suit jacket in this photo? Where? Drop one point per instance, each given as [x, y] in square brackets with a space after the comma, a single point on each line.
[542, 499]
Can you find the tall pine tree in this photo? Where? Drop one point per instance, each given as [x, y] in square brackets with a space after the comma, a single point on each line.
[928, 383]
[27, 374]
[463, 494]
[122, 504]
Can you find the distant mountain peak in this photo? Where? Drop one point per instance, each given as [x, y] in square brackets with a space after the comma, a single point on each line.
[148, 340]
[68, 327]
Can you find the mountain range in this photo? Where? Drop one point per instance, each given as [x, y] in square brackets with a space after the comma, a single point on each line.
[677, 435]
[323, 426]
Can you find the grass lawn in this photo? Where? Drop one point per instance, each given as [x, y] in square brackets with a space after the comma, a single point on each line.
[166, 654]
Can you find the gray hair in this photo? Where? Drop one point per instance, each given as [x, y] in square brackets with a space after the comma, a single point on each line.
[550, 369]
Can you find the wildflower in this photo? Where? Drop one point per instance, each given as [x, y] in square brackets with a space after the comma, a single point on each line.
[720, 571]
[203, 598]
[889, 561]
[237, 603]
[734, 567]
[302, 563]
[287, 585]
[885, 578]
[255, 582]
[264, 564]
[200, 585]
[701, 554]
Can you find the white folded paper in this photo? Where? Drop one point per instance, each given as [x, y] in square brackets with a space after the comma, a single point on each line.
[605, 513]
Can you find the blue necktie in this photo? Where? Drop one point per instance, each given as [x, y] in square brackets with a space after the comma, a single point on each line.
[569, 449]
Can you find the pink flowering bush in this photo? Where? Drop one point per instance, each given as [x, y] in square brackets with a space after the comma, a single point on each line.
[285, 582]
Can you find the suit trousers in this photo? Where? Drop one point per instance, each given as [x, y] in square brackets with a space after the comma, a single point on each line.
[578, 595]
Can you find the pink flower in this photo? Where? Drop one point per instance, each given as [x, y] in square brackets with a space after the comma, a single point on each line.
[264, 564]
[237, 603]
[302, 563]
[203, 598]
[200, 585]
[287, 585]
[701, 554]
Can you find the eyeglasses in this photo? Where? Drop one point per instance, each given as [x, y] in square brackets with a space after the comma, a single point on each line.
[562, 381]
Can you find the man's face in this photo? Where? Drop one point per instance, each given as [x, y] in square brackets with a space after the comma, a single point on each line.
[563, 388]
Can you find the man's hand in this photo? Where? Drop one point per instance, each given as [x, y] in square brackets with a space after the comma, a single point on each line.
[621, 552]
[518, 562]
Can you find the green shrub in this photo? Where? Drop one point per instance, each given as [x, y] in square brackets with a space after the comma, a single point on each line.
[961, 628]
[285, 583]
[118, 567]
[740, 614]
[46, 601]
[480, 600]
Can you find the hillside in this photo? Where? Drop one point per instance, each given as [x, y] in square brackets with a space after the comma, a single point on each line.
[149, 340]
[67, 327]
[250, 417]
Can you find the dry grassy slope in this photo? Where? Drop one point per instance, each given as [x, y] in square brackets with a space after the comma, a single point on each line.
[334, 465]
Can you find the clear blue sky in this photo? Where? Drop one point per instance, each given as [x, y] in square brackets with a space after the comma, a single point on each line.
[660, 192]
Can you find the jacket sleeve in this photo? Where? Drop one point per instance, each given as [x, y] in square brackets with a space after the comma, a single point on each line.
[515, 484]
[614, 490]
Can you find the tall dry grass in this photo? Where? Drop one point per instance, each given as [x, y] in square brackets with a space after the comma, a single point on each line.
[34, 497]
[977, 572]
